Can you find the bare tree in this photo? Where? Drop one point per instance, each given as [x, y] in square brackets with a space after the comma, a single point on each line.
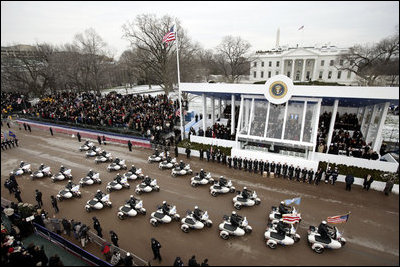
[232, 57]
[371, 62]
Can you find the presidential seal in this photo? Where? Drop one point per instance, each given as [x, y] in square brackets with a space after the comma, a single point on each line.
[278, 89]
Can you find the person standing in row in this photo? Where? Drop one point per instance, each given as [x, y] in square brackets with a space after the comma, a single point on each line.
[367, 181]
[278, 169]
[155, 246]
[79, 136]
[29, 128]
[261, 167]
[240, 160]
[267, 167]
[255, 164]
[291, 170]
[250, 165]
[99, 139]
[201, 154]
[38, 197]
[310, 176]
[130, 145]
[335, 174]
[297, 173]
[230, 162]
[104, 140]
[272, 167]
[176, 151]
[349, 181]
[304, 174]
[284, 170]
[318, 176]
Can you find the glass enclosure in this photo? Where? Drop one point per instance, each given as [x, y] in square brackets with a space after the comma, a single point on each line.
[260, 115]
[294, 118]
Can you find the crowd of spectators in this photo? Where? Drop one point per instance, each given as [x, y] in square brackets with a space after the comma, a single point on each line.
[149, 115]
[12, 102]
[218, 131]
[343, 142]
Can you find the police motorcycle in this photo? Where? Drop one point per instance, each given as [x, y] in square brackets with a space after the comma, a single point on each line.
[71, 190]
[86, 146]
[201, 179]
[222, 186]
[99, 201]
[117, 184]
[318, 243]
[103, 157]
[165, 164]
[234, 225]
[275, 215]
[43, 171]
[90, 179]
[164, 214]
[284, 234]
[181, 170]
[132, 207]
[195, 220]
[246, 198]
[93, 151]
[117, 165]
[147, 186]
[23, 169]
[63, 174]
[133, 174]
[157, 156]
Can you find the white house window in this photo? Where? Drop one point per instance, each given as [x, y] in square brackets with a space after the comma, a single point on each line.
[320, 74]
[308, 62]
[329, 74]
[262, 74]
[297, 75]
[299, 63]
[341, 62]
[270, 64]
[276, 72]
[255, 64]
[339, 74]
[277, 63]
[331, 63]
[308, 75]
[289, 63]
[255, 74]
[322, 62]
[348, 74]
[269, 74]
[262, 64]
[288, 74]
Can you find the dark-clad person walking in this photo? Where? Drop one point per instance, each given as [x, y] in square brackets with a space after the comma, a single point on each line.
[349, 181]
[51, 131]
[99, 139]
[29, 128]
[130, 145]
[97, 227]
[155, 246]
[114, 238]
[54, 203]
[79, 136]
[192, 261]
[17, 194]
[368, 179]
[38, 197]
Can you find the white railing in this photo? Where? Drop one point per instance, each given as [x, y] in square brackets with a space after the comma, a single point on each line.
[358, 162]
[212, 141]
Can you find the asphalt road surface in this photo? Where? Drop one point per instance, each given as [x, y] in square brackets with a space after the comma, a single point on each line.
[372, 231]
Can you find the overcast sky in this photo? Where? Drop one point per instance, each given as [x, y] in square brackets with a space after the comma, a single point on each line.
[338, 23]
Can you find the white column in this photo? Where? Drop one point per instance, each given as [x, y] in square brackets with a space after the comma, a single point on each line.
[220, 107]
[266, 120]
[292, 73]
[246, 112]
[366, 109]
[282, 66]
[204, 113]
[233, 114]
[304, 70]
[213, 110]
[240, 118]
[369, 126]
[303, 121]
[251, 115]
[318, 111]
[332, 124]
[315, 77]
[284, 120]
[376, 144]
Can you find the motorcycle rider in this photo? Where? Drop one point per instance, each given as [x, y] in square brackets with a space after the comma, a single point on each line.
[147, 180]
[323, 230]
[281, 227]
[222, 181]
[202, 174]
[69, 185]
[103, 153]
[21, 164]
[132, 201]
[197, 213]
[41, 167]
[62, 169]
[156, 153]
[99, 195]
[283, 209]
[118, 178]
[246, 193]
[165, 207]
[169, 158]
[116, 161]
[90, 173]
[181, 165]
[235, 219]
[133, 169]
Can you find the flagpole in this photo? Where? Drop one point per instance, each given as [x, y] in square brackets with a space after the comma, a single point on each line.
[179, 81]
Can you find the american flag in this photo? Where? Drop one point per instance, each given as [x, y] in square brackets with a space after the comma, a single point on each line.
[291, 218]
[170, 36]
[338, 219]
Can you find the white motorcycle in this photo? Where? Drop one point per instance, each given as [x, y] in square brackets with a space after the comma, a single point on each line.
[62, 176]
[143, 188]
[227, 229]
[318, 244]
[67, 194]
[189, 222]
[103, 158]
[94, 179]
[86, 146]
[158, 216]
[154, 158]
[196, 180]
[127, 211]
[45, 172]
[94, 151]
[95, 204]
[167, 165]
[239, 201]
[273, 238]
[217, 189]
[133, 176]
[114, 185]
[116, 167]
[26, 168]
[275, 215]
[178, 172]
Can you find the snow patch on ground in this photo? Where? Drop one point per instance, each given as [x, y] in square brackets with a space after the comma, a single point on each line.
[373, 245]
